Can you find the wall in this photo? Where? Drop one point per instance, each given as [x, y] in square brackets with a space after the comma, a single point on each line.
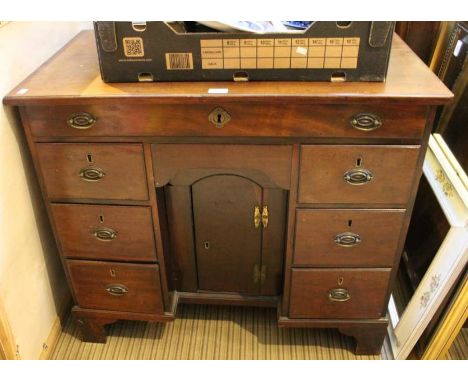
[32, 284]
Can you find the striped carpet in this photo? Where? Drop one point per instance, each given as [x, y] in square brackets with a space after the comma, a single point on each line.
[210, 332]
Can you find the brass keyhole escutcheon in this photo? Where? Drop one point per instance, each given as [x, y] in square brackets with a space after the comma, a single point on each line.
[206, 244]
[219, 117]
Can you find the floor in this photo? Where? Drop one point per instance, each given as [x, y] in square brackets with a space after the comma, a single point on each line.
[210, 332]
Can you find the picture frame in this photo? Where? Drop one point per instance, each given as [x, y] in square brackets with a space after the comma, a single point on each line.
[450, 260]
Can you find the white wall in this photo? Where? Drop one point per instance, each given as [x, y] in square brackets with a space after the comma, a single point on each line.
[32, 283]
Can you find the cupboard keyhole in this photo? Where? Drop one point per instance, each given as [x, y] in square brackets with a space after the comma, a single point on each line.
[206, 244]
[219, 118]
[89, 158]
[350, 222]
[101, 218]
[358, 162]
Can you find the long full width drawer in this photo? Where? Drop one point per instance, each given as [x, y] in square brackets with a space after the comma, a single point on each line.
[347, 237]
[357, 174]
[115, 286]
[338, 293]
[103, 232]
[226, 119]
[93, 171]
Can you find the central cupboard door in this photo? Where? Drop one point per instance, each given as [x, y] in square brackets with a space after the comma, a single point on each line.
[228, 240]
[226, 215]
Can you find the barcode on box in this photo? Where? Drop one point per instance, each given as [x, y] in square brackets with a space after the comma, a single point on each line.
[133, 47]
[179, 61]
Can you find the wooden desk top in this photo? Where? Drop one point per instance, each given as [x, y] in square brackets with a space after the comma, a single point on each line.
[72, 76]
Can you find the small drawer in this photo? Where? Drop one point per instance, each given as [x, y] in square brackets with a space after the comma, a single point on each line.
[357, 174]
[93, 171]
[227, 119]
[105, 232]
[347, 237]
[338, 293]
[115, 286]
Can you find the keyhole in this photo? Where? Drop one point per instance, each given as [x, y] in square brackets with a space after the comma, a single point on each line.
[206, 244]
[219, 117]
[89, 158]
[358, 162]
[350, 222]
[340, 280]
[112, 272]
[101, 218]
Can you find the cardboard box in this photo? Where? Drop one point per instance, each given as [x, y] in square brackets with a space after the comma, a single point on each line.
[326, 51]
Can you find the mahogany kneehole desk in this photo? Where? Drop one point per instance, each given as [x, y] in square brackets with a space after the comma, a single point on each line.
[294, 195]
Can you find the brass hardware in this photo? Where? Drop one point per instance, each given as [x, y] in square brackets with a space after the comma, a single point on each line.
[81, 120]
[116, 289]
[347, 239]
[263, 274]
[91, 174]
[340, 280]
[112, 272]
[339, 295]
[105, 234]
[219, 117]
[257, 217]
[365, 121]
[265, 216]
[206, 244]
[259, 275]
[357, 176]
[256, 273]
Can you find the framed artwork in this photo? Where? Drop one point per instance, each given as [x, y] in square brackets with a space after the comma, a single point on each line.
[448, 263]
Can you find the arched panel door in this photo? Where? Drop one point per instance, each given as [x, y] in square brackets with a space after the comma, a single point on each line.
[228, 242]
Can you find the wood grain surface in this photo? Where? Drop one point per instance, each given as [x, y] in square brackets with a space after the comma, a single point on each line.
[72, 76]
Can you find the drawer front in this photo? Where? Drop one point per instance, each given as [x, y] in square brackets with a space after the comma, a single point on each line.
[357, 174]
[347, 237]
[93, 171]
[338, 293]
[114, 286]
[250, 119]
[105, 232]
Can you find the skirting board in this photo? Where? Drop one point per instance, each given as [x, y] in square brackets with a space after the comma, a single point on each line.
[52, 339]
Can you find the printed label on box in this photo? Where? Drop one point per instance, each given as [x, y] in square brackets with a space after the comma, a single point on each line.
[280, 53]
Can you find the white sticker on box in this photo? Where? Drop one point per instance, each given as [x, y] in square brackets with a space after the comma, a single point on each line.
[218, 91]
[301, 50]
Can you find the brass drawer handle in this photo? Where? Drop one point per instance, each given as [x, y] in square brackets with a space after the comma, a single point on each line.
[116, 289]
[339, 295]
[92, 174]
[358, 177]
[347, 239]
[105, 234]
[81, 120]
[365, 121]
